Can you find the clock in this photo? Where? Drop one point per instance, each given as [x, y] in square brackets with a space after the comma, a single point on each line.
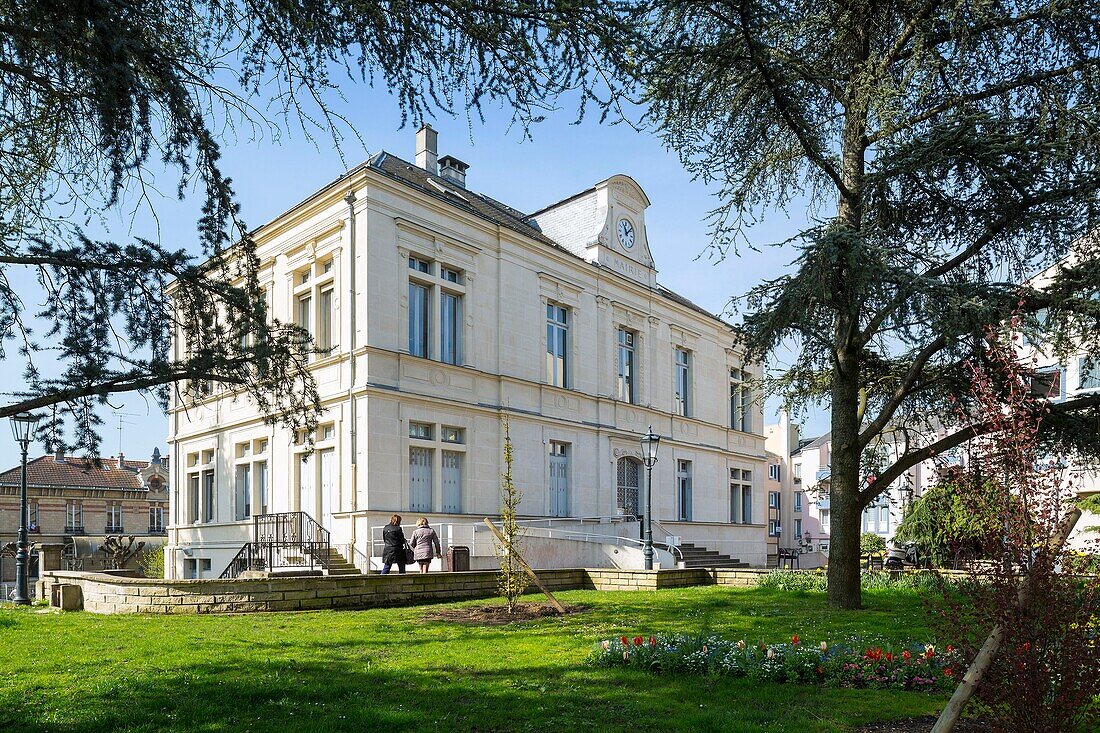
[626, 233]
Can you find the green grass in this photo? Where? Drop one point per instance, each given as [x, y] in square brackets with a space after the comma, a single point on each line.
[389, 669]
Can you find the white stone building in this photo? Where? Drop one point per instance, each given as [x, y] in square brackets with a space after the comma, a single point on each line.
[804, 477]
[446, 310]
[1065, 377]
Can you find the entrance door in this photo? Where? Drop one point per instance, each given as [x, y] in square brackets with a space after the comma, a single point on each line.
[330, 498]
[420, 480]
[307, 491]
[559, 479]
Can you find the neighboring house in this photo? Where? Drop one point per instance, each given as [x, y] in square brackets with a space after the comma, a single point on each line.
[1059, 379]
[464, 310]
[804, 496]
[75, 503]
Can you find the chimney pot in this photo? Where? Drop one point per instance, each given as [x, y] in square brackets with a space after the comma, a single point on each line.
[453, 169]
[426, 142]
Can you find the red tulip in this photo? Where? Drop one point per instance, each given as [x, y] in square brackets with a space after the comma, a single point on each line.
[638, 641]
[794, 639]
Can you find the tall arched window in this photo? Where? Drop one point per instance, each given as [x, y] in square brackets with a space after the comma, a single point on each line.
[629, 471]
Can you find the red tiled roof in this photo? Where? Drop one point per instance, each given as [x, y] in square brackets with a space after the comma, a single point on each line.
[78, 471]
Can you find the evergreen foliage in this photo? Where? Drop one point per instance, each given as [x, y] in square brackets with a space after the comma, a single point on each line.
[98, 97]
[871, 544]
[953, 521]
[947, 150]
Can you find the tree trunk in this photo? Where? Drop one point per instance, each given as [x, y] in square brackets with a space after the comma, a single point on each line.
[844, 580]
[844, 486]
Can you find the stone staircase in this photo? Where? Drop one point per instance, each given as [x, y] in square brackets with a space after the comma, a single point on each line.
[700, 557]
[338, 565]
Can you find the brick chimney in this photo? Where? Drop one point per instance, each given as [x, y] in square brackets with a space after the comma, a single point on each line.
[426, 141]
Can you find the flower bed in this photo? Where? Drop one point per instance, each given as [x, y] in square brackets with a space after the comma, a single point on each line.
[918, 667]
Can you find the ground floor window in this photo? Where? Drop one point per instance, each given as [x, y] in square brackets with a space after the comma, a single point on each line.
[452, 482]
[195, 568]
[741, 496]
[420, 479]
[559, 479]
[684, 489]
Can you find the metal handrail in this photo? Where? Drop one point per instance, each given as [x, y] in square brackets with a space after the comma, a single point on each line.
[355, 556]
[274, 536]
[591, 536]
[245, 559]
[666, 533]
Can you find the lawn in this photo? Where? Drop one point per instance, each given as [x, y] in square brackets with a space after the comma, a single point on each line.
[389, 669]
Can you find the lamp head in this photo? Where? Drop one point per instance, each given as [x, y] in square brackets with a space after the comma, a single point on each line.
[22, 427]
[650, 443]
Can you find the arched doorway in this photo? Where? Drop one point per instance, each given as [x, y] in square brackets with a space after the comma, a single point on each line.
[629, 479]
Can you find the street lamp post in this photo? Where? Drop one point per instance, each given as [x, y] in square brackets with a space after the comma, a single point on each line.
[650, 442]
[22, 427]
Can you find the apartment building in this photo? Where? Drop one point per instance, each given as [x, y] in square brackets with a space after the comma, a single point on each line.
[75, 503]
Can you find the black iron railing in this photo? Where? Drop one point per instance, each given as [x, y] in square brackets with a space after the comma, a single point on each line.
[284, 540]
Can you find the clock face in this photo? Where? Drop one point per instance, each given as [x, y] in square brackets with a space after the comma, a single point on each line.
[626, 233]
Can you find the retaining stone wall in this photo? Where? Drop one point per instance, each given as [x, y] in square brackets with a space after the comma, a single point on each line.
[107, 594]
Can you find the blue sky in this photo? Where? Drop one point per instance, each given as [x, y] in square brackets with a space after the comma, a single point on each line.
[561, 159]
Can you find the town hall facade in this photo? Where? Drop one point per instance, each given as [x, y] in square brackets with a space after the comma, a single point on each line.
[445, 311]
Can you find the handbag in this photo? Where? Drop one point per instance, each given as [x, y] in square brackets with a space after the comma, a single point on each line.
[410, 557]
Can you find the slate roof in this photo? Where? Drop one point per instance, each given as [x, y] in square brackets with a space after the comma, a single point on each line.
[492, 210]
[479, 205]
[812, 443]
[78, 472]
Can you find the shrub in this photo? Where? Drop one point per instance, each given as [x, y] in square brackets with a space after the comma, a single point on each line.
[794, 580]
[916, 667]
[871, 544]
[1036, 607]
[151, 563]
[817, 581]
[952, 521]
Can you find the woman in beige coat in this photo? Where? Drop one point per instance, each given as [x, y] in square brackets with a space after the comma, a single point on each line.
[425, 544]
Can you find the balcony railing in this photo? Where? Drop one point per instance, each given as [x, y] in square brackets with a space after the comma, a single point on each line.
[158, 530]
[113, 529]
[74, 529]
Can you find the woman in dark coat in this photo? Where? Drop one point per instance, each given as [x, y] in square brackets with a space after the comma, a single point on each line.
[393, 541]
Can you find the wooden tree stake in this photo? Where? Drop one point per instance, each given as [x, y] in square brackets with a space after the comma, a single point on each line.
[500, 538]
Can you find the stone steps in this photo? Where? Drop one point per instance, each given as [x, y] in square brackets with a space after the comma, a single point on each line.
[695, 556]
